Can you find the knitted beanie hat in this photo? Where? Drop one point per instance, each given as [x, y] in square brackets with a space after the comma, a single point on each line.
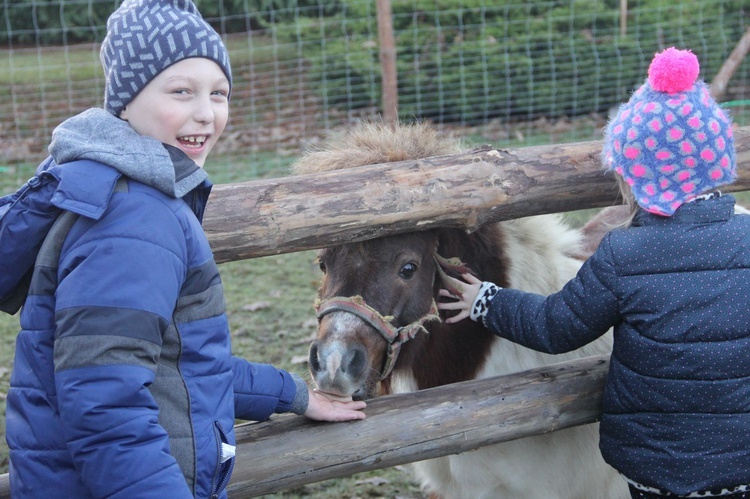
[670, 142]
[145, 37]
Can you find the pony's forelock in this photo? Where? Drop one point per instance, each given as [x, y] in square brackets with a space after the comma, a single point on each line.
[370, 143]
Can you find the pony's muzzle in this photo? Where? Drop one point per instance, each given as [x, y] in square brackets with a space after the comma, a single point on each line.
[337, 369]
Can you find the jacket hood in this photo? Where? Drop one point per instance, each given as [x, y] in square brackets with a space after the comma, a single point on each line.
[97, 135]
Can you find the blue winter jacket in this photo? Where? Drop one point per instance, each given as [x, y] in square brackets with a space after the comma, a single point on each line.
[676, 409]
[123, 383]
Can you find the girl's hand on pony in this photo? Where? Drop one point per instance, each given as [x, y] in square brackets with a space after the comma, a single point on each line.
[468, 286]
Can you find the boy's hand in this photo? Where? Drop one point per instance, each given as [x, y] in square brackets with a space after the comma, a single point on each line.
[470, 286]
[327, 407]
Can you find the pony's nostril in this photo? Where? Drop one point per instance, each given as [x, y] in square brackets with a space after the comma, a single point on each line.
[313, 359]
[356, 364]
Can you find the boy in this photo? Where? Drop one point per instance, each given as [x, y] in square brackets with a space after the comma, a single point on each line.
[123, 383]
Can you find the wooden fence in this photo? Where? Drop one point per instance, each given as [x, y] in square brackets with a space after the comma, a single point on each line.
[466, 190]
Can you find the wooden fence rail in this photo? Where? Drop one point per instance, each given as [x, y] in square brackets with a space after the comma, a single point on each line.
[405, 428]
[280, 215]
[467, 190]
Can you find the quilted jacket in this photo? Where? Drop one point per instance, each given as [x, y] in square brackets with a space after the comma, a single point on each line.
[676, 409]
[123, 382]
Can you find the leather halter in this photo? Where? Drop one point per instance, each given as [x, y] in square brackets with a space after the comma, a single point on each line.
[395, 337]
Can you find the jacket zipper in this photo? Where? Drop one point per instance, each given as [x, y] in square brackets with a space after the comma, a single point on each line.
[216, 488]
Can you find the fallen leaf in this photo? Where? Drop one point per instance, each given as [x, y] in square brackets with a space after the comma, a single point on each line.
[377, 481]
[258, 305]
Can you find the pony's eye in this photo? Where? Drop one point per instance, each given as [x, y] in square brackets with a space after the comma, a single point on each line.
[408, 271]
[322, 266]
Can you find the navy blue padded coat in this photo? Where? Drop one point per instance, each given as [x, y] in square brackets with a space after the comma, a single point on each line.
[123, 382]
[676, 409]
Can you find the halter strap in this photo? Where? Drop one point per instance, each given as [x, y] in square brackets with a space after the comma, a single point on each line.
[394, 336]
[356, 305]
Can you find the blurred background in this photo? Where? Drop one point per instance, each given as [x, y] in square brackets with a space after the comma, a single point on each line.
[509, 73]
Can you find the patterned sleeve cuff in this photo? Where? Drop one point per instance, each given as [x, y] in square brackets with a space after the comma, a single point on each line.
[482, 302]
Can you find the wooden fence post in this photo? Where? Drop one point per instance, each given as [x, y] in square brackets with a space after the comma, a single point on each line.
[720, 81]
[388, 77]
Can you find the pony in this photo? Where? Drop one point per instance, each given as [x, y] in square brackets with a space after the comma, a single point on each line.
[379, 330]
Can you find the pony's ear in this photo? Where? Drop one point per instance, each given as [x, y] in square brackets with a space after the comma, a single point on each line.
[451, 267]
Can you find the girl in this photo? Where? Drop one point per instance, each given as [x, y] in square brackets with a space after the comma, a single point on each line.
[674, 286]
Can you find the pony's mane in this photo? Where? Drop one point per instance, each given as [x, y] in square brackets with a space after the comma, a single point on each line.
[371, 143]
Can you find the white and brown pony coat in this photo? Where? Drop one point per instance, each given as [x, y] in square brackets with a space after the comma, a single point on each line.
[534, 254]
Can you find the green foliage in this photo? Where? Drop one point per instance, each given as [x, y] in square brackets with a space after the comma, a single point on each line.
[58, 22]
[480, 61]
[280, 10]
[54, 22]
[477, 59]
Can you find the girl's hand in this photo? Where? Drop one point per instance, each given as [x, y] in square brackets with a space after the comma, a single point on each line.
[328, 407]
[469, 287]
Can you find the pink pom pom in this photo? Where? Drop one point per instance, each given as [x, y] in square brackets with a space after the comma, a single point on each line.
[673, 70]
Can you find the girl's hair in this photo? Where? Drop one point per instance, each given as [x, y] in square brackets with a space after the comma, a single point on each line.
[628, 200]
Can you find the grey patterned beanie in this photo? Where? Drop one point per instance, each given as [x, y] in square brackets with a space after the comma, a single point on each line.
[145, 37]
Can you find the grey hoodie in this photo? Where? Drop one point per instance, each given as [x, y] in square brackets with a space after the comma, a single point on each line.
[91, 135]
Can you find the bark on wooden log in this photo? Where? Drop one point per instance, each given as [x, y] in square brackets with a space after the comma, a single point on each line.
[467, 190]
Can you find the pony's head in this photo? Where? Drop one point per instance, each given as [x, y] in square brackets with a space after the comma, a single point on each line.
[374, 296]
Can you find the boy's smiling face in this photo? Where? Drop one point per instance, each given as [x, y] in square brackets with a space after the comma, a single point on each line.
[185, 106]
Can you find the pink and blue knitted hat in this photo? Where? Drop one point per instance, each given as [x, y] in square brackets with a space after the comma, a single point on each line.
[671, 142]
